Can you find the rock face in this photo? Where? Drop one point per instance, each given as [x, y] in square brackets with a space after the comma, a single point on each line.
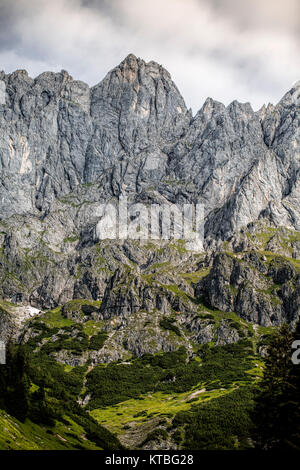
[57, 133]
[67, 151]
[133, 131]
[260, 292]
[13, 320]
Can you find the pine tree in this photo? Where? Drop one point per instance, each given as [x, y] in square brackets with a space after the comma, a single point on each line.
[276, 414]
[15, 381]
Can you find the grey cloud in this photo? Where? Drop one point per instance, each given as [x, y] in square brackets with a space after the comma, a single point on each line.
[8, 37]
[279, 14]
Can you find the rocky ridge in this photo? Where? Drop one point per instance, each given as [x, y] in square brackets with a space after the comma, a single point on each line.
[133, 133]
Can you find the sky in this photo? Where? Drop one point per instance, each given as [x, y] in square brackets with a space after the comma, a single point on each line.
[225, 49]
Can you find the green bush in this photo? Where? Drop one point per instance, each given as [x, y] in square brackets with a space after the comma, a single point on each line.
[97, 341]
[168, 324]
[156, 435]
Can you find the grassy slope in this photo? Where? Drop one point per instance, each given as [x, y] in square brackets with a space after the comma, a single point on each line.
[134, 419]
[15, 435]
[129, 418]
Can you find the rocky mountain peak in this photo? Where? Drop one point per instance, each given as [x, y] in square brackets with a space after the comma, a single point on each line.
[292, 97]
[136, 64]
[145, 106]
[142, 85]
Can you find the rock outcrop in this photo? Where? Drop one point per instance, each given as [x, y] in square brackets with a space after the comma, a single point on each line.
[261, 291]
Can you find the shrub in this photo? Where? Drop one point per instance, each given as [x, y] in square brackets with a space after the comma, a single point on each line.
[168, 324]
[97, 341]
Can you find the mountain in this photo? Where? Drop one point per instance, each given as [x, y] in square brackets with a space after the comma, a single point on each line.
[68, 155]
[57, 133]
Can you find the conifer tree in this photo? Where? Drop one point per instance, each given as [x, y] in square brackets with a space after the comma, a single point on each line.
[15, 381]
[276, 413]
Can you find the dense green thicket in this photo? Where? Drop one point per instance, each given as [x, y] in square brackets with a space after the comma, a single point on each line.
[168, 324]
[222, 423]
[71, 338]
[169, 372]
[46, 372]
[97, 341]
[53, 396]
[156, 435]
[223, 365]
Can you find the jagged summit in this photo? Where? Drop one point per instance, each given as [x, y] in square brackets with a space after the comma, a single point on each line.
[296, 84]
[292, 97]
[133, 131]
[129, 68]
[133, 61]
[130, 62]
[22, 74]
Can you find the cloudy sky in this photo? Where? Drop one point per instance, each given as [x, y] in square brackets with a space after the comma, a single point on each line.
[227, 49]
